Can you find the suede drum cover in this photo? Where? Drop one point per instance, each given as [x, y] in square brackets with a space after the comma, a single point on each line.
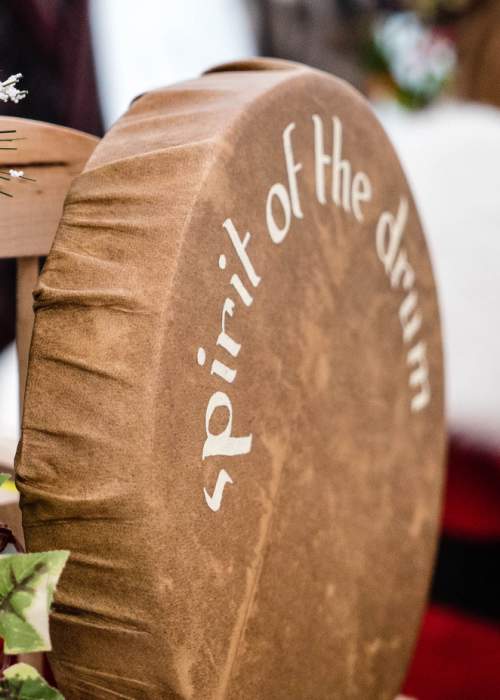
[234, 407]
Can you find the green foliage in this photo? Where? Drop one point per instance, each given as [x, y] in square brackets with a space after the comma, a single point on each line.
[22, 682]
[4, 478]
[27, 583]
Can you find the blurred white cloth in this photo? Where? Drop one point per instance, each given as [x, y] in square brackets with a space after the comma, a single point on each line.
[9, 406]
[144, 44]
[451, 154]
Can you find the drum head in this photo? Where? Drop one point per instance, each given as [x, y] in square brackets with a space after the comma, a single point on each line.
[234, 409]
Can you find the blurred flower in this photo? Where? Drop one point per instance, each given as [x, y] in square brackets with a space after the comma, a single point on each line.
[419, 59]
[9, 91]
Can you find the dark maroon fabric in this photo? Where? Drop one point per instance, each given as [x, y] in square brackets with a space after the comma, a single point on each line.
[473, 491]
[49, 42]
[458, 653]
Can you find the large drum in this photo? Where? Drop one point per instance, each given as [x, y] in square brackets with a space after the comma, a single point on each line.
[234, 407]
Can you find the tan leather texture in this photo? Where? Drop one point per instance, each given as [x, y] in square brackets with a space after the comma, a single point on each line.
[234, 406]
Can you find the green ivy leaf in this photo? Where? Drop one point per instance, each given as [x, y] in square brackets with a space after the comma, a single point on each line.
[27, 583]
[4, 478]
[23, 682]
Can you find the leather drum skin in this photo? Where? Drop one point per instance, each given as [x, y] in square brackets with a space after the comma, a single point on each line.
[234, 407]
